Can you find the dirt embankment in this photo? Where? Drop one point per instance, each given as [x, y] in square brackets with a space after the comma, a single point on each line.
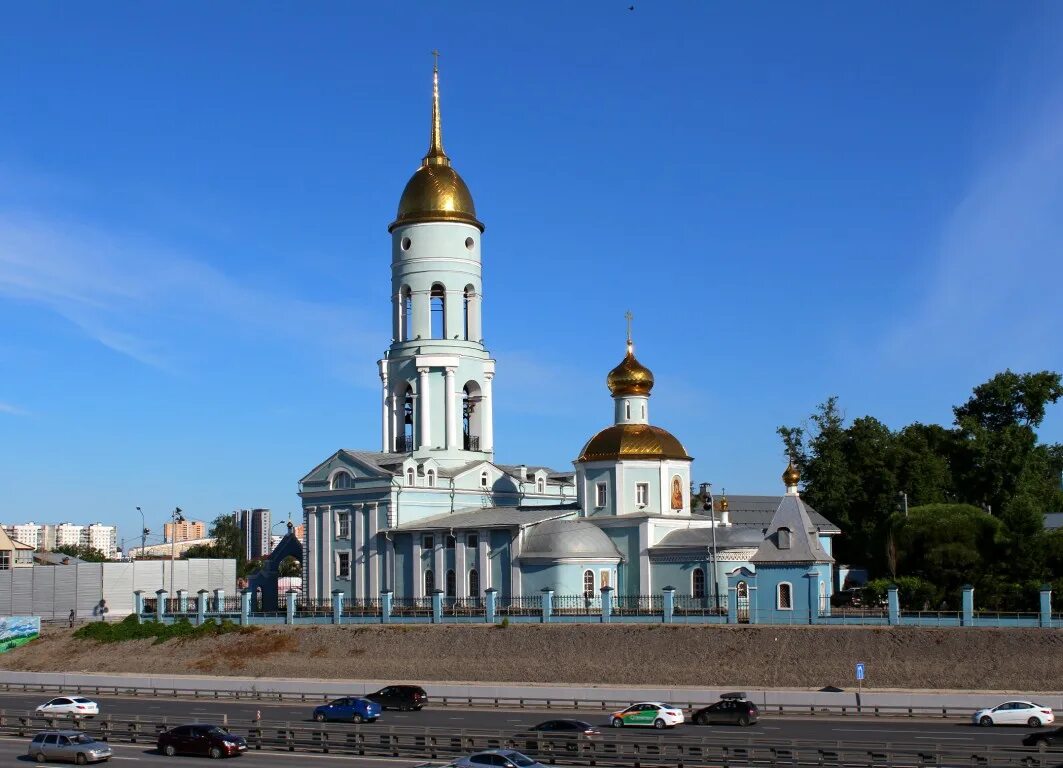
[755, 657]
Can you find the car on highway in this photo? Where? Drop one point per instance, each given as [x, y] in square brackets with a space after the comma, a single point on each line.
[72, 706]
[652, 714]
[500, 758]
[557, 735]
[402, 697]
[69, 746]
[352, 709]
[731, 709]
[200, 739]
[1015, 713]
[1049, 739]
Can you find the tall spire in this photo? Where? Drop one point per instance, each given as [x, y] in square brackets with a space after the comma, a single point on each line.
[436, 155]
[630, 346]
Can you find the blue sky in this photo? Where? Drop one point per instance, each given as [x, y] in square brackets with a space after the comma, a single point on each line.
[794, 201]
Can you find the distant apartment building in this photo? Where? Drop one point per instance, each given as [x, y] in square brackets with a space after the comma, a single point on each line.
[186, 530]
[46, 537]
[256, 527]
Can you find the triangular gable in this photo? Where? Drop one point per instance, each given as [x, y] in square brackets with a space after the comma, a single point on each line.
[803, 545]
[343, 459]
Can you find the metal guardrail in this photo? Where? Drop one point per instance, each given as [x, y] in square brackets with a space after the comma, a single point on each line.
[633, 751]
[501, 702]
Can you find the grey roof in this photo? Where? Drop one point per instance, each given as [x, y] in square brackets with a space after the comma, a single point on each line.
[567, 539]
[44, 557]
[804, 539]
[1053, 520]
[489, 517]
[758, 511]
[700, 539]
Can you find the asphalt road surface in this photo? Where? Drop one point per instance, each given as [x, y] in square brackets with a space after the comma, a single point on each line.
[850, 730]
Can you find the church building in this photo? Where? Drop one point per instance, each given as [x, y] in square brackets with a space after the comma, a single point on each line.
[431, 509]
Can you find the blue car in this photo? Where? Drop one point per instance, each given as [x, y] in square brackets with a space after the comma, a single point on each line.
[351, 710]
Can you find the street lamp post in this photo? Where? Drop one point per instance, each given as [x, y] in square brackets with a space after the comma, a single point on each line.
[143, 532]
[707, 503]
[177, 518]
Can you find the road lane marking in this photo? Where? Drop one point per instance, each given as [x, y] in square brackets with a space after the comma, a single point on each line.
[945, 738]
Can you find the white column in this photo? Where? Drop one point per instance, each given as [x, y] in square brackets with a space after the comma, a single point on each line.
[461, 568]
[328, 550]
[376, 562]
[439, 562]
[313, 557]
[424, 410]
[393, 420]
[358, 556]
[452, 424]
[387, 442]
[417, 587]
[483, 564]
[487, 423]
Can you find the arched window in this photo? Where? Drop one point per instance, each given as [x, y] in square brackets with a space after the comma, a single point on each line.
[405, 313]
[429, 582]
[697, 583]
[451, 584]
[469, 294]
[643, 411]
[405, 441]
[430, 478]
[439, 312]
[483, 479]
[341, 480]
[470, 416]
[742, 590]
[784, 596]
[627, 410]
[410, 476]
[474, 583]
[588, 583]
[540, 485]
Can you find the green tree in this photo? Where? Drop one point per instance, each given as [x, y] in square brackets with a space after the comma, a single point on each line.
[89, 554]
[228, 544]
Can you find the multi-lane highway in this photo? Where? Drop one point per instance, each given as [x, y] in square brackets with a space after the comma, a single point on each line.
[921, 734]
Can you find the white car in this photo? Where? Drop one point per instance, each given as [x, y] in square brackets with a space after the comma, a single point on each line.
[653, 714]
[74, 706]
[1015, 713]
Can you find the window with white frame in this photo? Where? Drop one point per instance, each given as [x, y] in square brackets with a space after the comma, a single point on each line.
[540, 486]
[483, 479]
[429, 582]
[430, 478]
[627, 410]
[601, 495]
[410, 476]
[343, 525]
[474, 583]
[473, 541]
[697, 583]
[343, 565]
[642, 494]
[5, 559]
[341, 480]
[784, 596]
[588, 583]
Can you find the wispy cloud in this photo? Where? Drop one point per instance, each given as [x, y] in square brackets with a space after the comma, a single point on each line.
[124, 291]
[998, 269]
[12, 410]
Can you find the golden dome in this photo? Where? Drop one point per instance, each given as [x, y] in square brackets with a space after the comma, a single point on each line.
[632, 441]
[630, 377]
[791, 476]
[724, 504]
[436, 192]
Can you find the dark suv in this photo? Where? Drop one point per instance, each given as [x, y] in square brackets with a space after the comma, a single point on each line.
[403, 697]
[731, 709]
[1048, 739]
[199, 739]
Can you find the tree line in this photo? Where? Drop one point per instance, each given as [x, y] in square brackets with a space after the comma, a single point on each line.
[932, 508]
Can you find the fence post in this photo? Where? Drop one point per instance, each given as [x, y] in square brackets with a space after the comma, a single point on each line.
[893, 601]
[607, 604]
[548, 604]
[386, 597]
[138, 606]
[245, 607]
[437, 606]
[732, 605]
[160, 604]
[491, 605]
[668, 604]
[1046, 605]
[201, 607]
[967, 618]
[182, 600]
[219, 600]
[289, 606]
[337, 606]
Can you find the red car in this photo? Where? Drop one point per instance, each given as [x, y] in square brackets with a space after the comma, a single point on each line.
[200, 739]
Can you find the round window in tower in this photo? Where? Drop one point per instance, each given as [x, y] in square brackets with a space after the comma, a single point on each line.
[470, 243]
[406, 243]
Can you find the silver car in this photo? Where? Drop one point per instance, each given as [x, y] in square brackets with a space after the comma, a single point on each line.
[68, 746]
[501, 758]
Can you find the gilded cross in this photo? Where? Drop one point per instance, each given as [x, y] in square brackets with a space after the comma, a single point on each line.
[435, 55]
[629, 317]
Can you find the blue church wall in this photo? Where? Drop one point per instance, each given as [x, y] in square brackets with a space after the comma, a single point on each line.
[566, 579]
[403, 575]
[678, 575]
[805, 600]
[500, 562]
[626, 541]
[600, 475]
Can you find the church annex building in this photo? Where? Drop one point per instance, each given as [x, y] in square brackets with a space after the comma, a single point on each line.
[431, 510]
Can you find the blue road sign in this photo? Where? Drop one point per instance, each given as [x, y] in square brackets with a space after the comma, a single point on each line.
[859, 670]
